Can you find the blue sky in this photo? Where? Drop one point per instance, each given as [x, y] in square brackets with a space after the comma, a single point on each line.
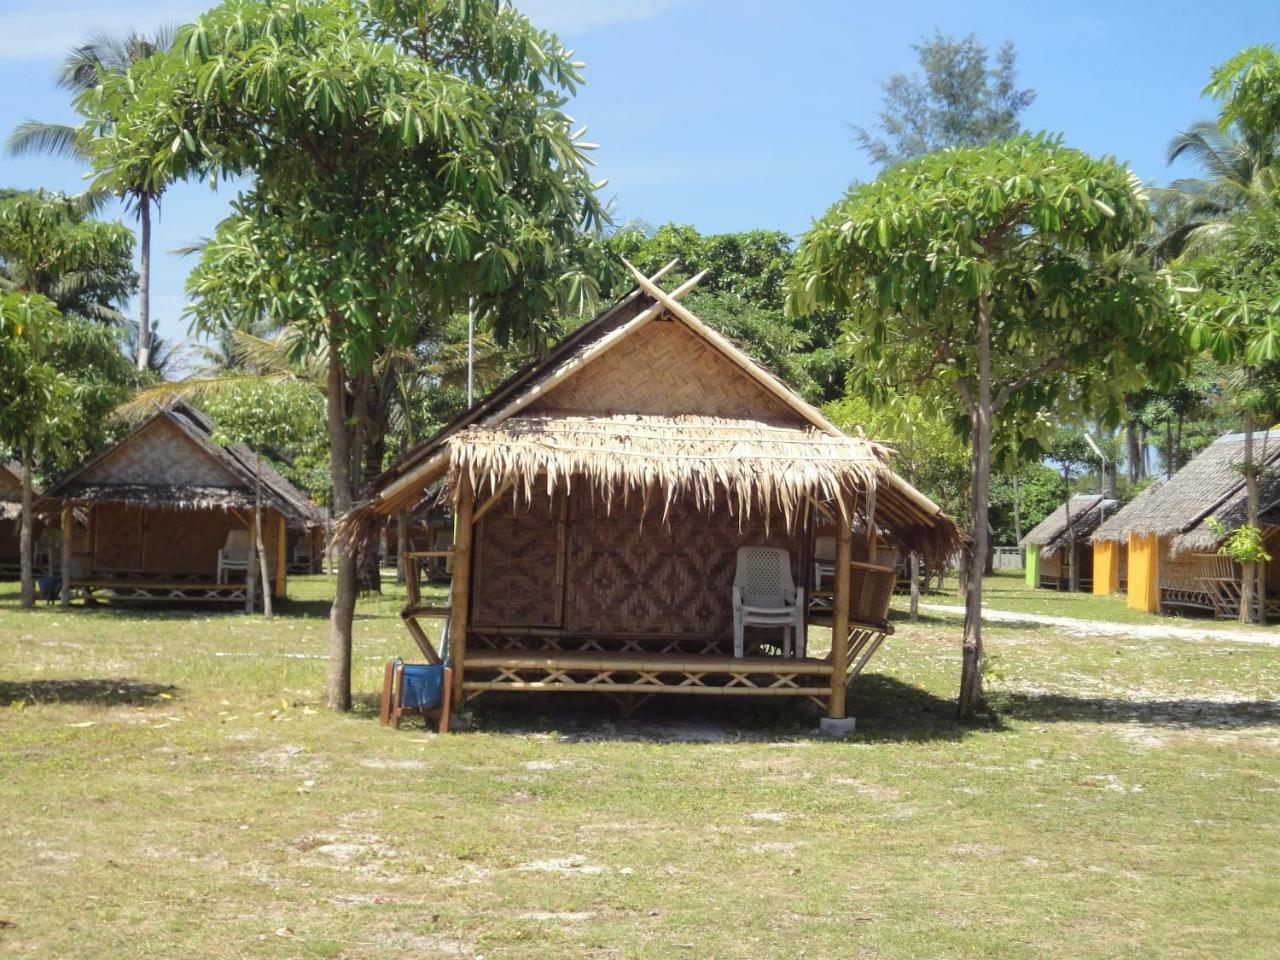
[734, 114]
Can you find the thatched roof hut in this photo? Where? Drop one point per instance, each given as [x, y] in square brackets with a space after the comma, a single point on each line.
[1211, 485]
[1049, 562]
[159, 505]
[607, 488]
[1051, 534]
[1167, 538]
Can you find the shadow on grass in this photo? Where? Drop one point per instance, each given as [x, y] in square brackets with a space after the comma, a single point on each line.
[886, 710]
[104, 692]
[1208, 714]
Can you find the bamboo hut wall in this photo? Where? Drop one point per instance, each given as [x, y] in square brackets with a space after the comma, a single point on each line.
[514, 565]
[1180, 571]
[666, 369]
[630, 573]
[158, 541]
[623, 572]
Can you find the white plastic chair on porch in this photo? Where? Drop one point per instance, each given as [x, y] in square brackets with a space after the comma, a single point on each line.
[764, 595]
[234, 554]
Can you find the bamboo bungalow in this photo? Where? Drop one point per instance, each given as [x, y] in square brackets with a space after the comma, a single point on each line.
[166, 514]
[10, 516]
[1169, 535]
[602, 495]
[1048, 543]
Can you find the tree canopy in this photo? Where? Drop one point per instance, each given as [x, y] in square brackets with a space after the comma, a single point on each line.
[404, 160]
[962, 100]
[1006, 274]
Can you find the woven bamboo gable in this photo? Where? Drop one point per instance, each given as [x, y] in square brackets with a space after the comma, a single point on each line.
[170, 461]
[665, 370]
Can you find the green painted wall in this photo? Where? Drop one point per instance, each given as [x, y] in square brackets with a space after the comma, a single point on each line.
[1033, 566]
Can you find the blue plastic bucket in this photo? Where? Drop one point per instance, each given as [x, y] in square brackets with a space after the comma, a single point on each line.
[50, 587]
[421, 685]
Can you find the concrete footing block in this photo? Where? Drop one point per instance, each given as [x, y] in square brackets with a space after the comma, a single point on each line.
[835, 729]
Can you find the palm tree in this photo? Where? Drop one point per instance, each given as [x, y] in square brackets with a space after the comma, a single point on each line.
[1195, 214]
[79, 73]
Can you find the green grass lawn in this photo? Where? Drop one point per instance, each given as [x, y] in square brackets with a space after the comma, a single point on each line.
[170, 787]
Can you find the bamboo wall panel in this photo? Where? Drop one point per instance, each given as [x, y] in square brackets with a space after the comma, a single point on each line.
[629, 573]
[664, 369]
[514, 564]
[185, 541]
[117, 538]
[161, 454]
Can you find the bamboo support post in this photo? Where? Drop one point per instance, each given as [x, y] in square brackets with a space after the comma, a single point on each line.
[68, 531]
[460, 589]
[840, 620]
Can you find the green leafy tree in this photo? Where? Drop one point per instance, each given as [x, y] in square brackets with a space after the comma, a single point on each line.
[962, 100]
[401, 158]
[1233, 312]
[1005, 274]
[80, 72]
[50, 244]
[33, 402]
[1194, 214]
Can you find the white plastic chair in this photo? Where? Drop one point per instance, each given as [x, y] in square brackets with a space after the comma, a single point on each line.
[764, 595]
[302, 562]
[234, 554]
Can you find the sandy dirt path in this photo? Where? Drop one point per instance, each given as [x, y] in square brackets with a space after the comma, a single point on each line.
[1108, 628]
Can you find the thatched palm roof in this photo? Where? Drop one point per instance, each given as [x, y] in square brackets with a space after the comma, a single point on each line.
[1211, 485]
[1051, 533]
[81, 486]
[765, 448]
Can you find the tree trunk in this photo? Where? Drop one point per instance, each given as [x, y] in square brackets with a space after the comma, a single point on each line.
[971, 696]
[402, 542]
[144, 283]
[26, 533]
[1073, 578]
[913, 571]
[1017, 511]
[1131, 448]
[267, 608]
[1249, 573]
[337, 694]
[1177, 444]
[1168, 450]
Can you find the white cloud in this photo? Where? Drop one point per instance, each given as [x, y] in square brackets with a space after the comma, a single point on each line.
[580, 15]
[32, 31]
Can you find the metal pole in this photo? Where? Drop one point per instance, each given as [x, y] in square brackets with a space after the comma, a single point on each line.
[471, 352]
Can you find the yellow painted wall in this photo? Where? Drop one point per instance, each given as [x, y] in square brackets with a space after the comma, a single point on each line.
[1144, 572]
[1106, 567]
